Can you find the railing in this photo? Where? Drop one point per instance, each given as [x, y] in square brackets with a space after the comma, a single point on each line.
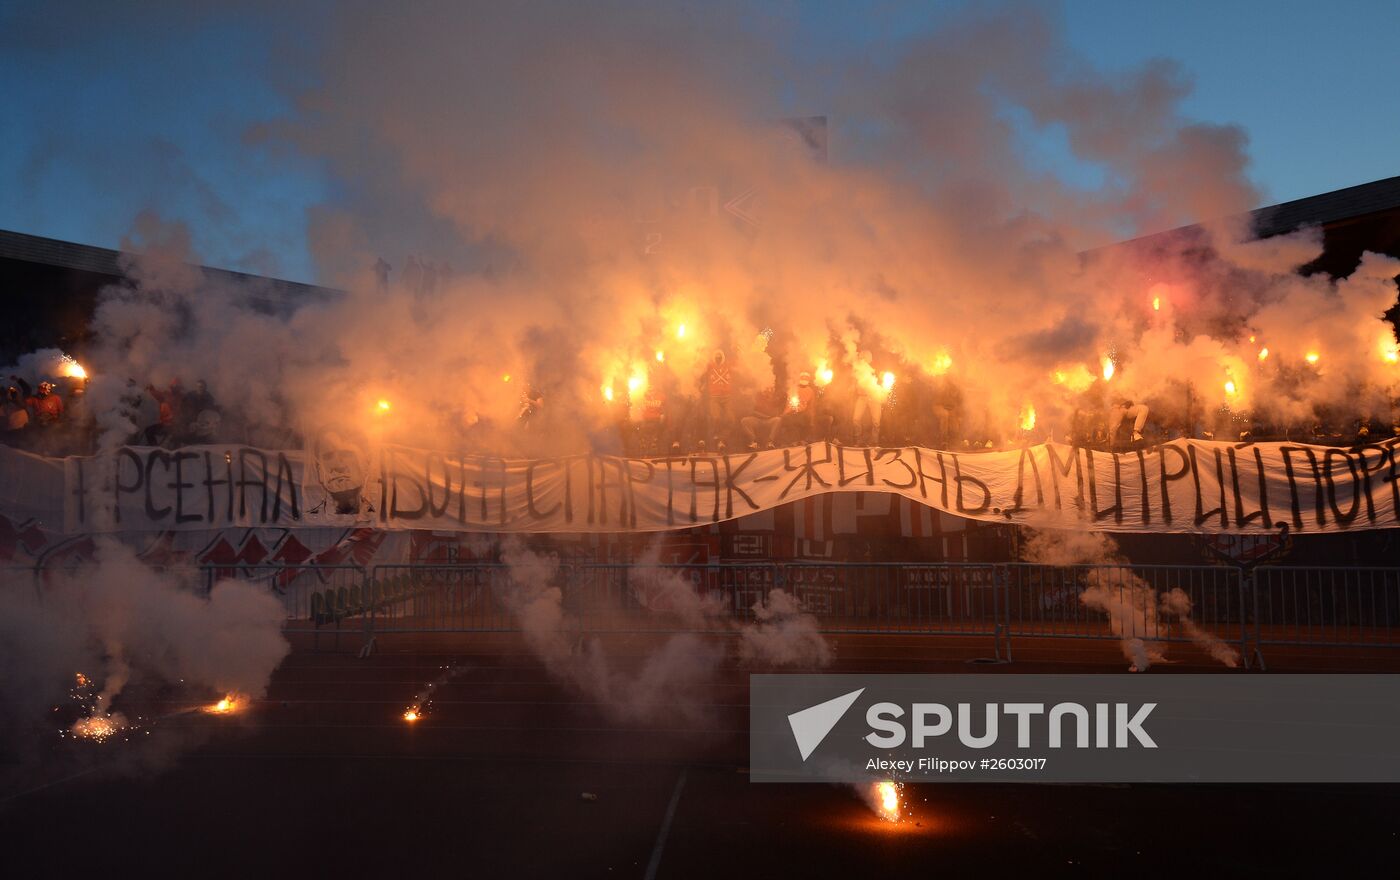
[1273, 605]
[1341, 607]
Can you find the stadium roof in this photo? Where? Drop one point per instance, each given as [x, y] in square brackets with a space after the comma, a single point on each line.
[104, 261]
[1352, 203]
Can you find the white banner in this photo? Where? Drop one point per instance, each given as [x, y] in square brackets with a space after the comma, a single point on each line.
[1183, 486]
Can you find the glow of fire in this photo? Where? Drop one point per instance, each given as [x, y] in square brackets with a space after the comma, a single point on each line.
[383, 405]
[411, 714]
[1311, 357]
[1109, 368]
[942, 363]
[97, 727]
[1264, 354]
[660, 356]
[794, 402]
[226, 706]
[1391, 357]
[72, 369]
[636, 382]
[824, 374]
[505, 378]
[680, 332]
[887, 380]
[607, 393]
[886, 799]
[1027, 418]
[1156, 303]
[1230, 387]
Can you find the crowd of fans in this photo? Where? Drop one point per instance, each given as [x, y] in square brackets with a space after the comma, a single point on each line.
[52, 417]
[712, 412]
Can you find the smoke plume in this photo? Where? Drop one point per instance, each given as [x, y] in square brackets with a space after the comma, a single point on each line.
[614, 191]
[1138, 616]
[119, 622]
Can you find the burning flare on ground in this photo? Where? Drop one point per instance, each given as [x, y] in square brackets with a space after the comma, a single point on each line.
[227, 706]
[98, 728]
[884, 798]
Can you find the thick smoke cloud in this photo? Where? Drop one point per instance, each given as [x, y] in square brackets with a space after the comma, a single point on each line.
[119, 622]
[559, 187]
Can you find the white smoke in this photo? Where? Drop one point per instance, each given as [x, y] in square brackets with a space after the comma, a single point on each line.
[671, 679]
[578, 200]
[118, 621]
[1137, 614]
[784, 635]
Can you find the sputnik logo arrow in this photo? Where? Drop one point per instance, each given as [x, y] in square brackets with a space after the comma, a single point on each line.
[811, 725]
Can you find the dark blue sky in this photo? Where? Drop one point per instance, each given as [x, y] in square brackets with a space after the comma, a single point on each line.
[106, 114]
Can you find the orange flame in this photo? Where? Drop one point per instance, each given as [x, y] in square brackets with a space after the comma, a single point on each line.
[885, 798]
[412, 714]
[228, 705]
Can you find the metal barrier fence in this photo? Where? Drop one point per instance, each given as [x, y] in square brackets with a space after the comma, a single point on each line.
[316, 598]
[1357, 607]
[1274, 605]
[1124, 601]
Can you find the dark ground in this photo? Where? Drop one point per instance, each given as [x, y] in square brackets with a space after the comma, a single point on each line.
[324, 777]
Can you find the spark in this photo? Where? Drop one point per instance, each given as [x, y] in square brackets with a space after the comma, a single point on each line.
[885, 798]
[98, 728]
[72, 369]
